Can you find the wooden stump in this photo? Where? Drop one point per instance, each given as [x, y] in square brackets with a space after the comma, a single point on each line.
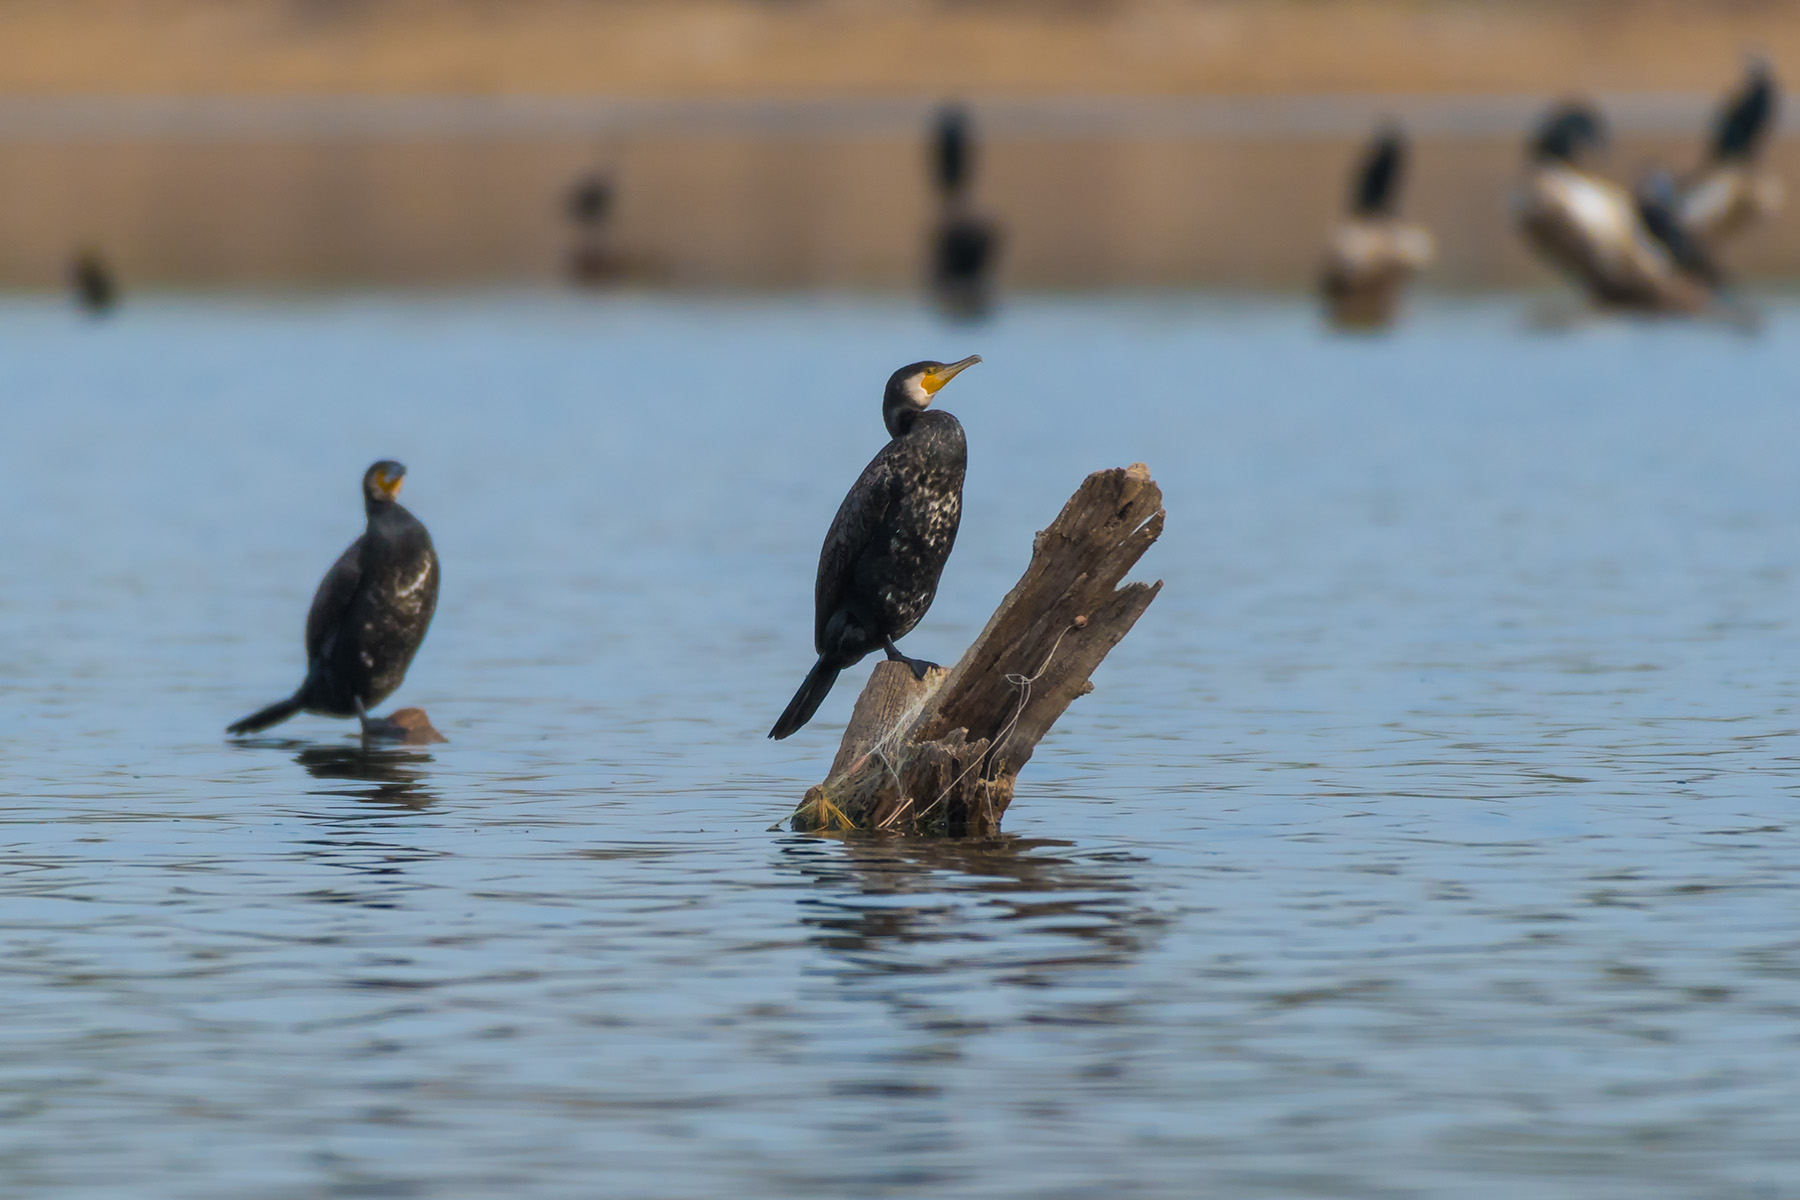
[939, 756]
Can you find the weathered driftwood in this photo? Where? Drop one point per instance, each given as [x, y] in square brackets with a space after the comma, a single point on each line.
[939, 755]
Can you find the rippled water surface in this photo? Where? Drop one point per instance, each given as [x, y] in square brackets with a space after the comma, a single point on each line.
[1433, 834]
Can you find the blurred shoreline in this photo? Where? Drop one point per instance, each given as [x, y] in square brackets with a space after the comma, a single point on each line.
[363, 194]
[779, 143]
[881, 47]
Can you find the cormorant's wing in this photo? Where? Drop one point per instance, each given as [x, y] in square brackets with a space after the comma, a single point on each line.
[859, 519]
[332, 598]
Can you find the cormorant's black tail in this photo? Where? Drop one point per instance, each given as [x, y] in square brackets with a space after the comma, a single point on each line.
[1377, 184]
[262, 718]
[1747, 117]
[806, 701]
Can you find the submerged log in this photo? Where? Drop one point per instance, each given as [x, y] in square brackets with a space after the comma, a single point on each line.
[939, 756]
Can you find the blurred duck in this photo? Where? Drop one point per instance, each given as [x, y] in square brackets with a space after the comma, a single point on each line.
[964, 244]
[95, 287]
[1593, 230]
[1373, 253]
[1731, 191]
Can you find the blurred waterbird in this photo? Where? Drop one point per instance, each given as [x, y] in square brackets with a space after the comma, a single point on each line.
[1730, 191]
[887, 546]
[95, 287]
[369, 615]
[964, 244]
[593, 260]
[1373, 253]
[1591, 229]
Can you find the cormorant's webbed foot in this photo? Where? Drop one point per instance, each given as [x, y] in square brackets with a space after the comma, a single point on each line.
[919, 666]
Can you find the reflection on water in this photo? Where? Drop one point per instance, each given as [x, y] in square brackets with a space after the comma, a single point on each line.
[398, 775]
[879, 899]
[1432, 835]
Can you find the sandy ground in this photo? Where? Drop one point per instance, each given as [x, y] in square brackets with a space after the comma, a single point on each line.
[883, 47]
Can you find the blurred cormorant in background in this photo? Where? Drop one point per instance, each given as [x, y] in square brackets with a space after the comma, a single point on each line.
[369, 615]
[887, 546]
[1593, 230]
[964, 244]
[593, 261]
[1373, 253]
[1730, 191]
[95, 287]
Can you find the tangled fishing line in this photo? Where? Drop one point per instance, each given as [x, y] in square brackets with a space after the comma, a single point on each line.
[1023, 683]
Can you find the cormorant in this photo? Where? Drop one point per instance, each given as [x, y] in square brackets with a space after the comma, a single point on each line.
[1591, 229]
[1373, 253]
[964, 244]
[887, 546]
[96, 290]
[369, 614]
[592, 261]
[1729, 191]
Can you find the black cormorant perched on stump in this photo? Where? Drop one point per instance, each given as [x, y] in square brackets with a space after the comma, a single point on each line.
[879, 567]
[1373, 253]
[369, 615]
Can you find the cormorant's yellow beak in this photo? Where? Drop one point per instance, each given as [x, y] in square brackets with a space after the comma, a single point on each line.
[931, 381]
[389, 484]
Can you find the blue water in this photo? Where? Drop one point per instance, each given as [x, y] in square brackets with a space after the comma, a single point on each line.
[1432, 835]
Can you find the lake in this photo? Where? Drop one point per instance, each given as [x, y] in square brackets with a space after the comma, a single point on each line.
[1433, 833]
